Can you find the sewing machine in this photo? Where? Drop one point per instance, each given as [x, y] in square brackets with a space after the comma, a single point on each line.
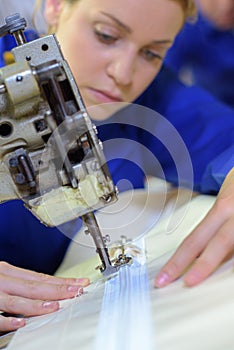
[51, 157]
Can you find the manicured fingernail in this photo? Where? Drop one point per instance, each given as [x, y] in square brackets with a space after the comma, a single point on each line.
[17, 322]
[50, 304]
[75, 289]
[162, 279]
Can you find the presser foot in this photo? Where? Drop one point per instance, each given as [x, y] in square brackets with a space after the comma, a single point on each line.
[108, 267]
[114, 265]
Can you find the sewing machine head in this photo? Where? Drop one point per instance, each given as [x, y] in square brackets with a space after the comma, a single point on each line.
[49, 149]
[50, 155]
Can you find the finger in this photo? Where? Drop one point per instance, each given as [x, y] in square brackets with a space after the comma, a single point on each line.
[26, 307]
[214, 254]
[8, 324]
[189, 250]
[37, 290]
[14, 271]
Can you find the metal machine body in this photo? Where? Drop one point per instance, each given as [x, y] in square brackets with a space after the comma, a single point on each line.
[50, 154]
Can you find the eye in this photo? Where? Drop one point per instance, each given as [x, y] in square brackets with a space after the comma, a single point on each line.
[150, 55]
[105, 38]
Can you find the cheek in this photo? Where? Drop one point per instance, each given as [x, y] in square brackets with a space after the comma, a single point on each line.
[79, 60]
[85, 61]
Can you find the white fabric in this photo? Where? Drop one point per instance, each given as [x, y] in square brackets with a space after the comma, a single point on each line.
[199, 318]
[125, 317]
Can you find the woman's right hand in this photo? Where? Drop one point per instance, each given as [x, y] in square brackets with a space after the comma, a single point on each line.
[28, 293]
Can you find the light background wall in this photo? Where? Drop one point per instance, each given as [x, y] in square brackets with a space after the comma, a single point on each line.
[26, 10]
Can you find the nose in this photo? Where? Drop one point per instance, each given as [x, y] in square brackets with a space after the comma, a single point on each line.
[121, 68]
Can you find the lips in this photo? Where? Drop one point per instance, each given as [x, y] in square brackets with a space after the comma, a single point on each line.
[104, 96]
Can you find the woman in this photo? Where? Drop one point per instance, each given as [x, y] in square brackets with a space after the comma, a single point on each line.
[125, 52]
[115, 50]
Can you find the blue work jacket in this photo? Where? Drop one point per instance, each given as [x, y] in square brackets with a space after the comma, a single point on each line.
[207, 54]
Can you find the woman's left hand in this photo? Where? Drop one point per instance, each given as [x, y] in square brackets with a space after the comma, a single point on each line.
[208, 245]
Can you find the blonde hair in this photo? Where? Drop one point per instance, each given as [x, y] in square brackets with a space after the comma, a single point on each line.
[188, 6]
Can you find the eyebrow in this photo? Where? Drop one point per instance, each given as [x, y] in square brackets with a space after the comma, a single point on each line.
[163, 41]
[129, 30]
[118, 22]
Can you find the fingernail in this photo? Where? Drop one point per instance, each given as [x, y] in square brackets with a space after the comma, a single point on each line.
[76, 289]
[50, 304]
[17, 322]
[162, 279]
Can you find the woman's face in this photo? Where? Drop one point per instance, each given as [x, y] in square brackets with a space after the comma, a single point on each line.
[115, 48]
[220, 12]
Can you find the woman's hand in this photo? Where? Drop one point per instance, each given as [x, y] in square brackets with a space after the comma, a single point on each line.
[208, 245]
[28, 293]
